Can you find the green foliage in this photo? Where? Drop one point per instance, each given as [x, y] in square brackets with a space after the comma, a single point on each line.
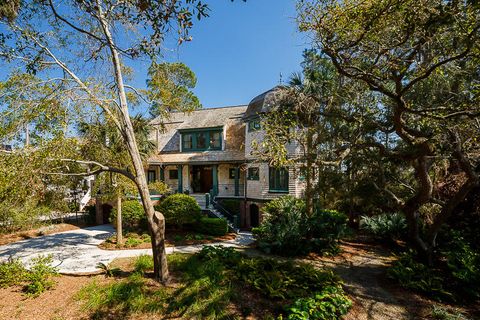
[326, 227]
[122, 297]
[286, 228]
[132, 242]
[283, 226]
[414, 275]
[180, 209]
[212, 226]
[440, 313]
[143, 264]
[12, 273]
[22, 217]
[159, 187]
[210, 282]
[91, 217]
[170, 87]
[107, 270]
[385, 226]
[283, 280]
[231, 205]
[463, 265]
[133, 215]
[36, 280]
[330, 303]
[40, 276]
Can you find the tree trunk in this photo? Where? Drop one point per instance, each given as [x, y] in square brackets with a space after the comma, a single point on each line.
[308, 174]
[156, 221]
[411, 207]
[119, 221]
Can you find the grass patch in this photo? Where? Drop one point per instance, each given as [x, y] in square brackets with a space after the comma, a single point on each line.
[220, 283]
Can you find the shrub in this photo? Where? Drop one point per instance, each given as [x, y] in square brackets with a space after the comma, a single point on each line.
[91, 215]
[180, 209]
[330, 303]
[159, 187]
[286, 229]
[283, 227]
[212, 226]
[326, 227]
[12, 272]
[133, 215]
[40, 276]
[385, 226]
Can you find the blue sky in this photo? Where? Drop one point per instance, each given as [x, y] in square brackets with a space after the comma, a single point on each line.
[239, 51]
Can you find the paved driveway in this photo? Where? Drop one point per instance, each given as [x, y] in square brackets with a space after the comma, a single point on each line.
[77, 252]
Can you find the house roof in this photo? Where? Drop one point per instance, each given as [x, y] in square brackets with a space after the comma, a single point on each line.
[263, 102]
[203, 118]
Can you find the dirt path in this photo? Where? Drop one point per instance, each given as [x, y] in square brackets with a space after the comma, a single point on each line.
[363, 269]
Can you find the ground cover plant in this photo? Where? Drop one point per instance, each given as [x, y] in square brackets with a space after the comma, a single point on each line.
[214, 284]
[455, 278]
[35, 280]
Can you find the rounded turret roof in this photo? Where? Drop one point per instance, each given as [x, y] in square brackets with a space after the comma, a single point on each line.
[263, 103]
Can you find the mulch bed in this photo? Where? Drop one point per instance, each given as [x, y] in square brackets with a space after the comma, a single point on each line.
[172, 239]
[38, 232]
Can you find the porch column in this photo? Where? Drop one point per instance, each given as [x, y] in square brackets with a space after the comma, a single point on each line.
[237, 181]
[187, 182]
[215, 179]
[180, 178]
[162, 174]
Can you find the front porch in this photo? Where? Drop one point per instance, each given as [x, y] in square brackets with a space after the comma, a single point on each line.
[220, 179]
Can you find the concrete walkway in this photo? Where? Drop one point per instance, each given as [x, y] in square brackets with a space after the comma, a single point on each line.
[77, 252]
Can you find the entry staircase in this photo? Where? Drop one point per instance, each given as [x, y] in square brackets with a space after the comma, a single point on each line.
[215, 209]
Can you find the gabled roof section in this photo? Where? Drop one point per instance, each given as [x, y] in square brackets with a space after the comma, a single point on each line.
[263, 102]
[203, 118]
[167, 133]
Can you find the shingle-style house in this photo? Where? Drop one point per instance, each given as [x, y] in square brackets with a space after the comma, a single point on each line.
[210, 151]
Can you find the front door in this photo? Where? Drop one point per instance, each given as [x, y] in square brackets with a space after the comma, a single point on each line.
[202, 179]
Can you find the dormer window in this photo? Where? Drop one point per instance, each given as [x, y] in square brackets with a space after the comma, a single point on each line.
[201, 139]
[254, 125]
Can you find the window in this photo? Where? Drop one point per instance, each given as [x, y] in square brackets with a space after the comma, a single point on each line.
[202, 140]
[151, 176]
[231, 173]
[253, 173]
[278, 179]
[254, 125]
[173, 174]
[187, 141]
[215, 140]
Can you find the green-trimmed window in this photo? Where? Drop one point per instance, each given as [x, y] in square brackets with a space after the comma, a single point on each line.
[202, 140]
[173, 174]
[231, 173]
[278, 179]
[253, 173]
[254, 125]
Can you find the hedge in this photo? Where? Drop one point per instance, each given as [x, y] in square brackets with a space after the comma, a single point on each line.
[212, 226]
